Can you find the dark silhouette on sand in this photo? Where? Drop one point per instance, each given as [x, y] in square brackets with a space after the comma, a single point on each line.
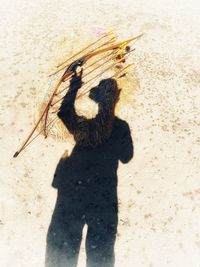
[87, 180]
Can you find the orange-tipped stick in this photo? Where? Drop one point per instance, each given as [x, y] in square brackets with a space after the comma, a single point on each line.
[113, 39]
[123, 71]
[88, 46]
[124, 43]
[112, 47]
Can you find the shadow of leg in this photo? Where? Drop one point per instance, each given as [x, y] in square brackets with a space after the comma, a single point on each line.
[63, 243]
[100, 243]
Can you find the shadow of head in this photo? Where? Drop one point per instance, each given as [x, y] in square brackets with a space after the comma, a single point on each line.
[106, 94]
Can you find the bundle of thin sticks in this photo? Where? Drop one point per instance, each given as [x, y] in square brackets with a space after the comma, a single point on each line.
[103, 57]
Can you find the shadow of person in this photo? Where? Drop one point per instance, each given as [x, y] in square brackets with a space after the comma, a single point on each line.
[87, 180]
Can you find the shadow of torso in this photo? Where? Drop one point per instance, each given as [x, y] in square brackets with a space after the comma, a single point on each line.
[87, 194]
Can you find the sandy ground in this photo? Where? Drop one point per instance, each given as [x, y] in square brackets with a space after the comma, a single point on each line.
[159, 190]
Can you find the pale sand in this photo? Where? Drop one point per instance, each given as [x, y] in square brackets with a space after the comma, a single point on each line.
[159, 190]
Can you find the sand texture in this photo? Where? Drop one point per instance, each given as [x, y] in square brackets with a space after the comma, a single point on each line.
[159, 188]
